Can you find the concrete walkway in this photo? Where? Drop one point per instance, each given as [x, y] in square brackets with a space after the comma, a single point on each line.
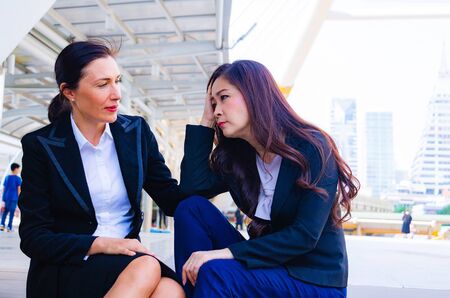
[379, 267]
[398, 267]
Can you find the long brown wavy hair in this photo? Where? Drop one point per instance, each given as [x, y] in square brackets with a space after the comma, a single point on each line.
[272, 119]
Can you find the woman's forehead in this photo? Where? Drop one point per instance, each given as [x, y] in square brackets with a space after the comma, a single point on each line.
[221, 83]
[102, 68]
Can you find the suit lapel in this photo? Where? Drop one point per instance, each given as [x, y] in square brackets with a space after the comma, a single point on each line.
[127, 139]
[64, 153]
[287, 176]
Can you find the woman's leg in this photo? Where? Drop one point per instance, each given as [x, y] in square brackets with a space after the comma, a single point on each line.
[139, 279]
[200, 226]
[230, 278]
[167, 287]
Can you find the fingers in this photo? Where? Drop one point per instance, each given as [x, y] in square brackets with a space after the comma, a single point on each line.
[192, 267]
[188, 274]
[193, 275]
[138, 247]
[208, 111]
[183, 275]
[127, 247]
[128, 252]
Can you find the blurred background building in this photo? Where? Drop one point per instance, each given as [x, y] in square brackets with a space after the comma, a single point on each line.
[380, 153]
[343, 129]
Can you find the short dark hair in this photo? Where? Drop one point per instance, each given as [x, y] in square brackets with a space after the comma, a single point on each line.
[14, 166]
[69, 68]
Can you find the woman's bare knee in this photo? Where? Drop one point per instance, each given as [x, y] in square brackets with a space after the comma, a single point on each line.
[138, 279]
[145, 270]
[167, 287]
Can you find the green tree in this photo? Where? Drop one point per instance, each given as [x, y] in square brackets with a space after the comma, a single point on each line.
[445, 210]
[399, 208]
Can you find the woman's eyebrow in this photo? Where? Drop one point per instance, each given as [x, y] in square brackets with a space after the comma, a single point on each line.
[220, 91]
[108, 78]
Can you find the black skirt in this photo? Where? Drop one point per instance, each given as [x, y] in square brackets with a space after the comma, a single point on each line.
[95, 277]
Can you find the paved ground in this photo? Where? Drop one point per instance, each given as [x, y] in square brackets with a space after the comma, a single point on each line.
[379, 267]
[397, 267]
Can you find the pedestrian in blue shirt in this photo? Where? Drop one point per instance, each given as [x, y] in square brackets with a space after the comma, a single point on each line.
[11, 193]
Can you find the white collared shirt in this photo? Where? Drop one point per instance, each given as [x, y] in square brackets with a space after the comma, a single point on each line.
[268, 174]
[106, 186]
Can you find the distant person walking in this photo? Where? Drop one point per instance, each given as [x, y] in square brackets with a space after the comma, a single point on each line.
[11, 193]
[239, 219]
[162, 219]
[407, 218]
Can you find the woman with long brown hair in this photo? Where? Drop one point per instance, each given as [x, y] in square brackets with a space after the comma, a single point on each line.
[284, 173]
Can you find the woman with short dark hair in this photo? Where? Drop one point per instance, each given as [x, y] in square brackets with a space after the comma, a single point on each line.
[83, 176]
[282, 172]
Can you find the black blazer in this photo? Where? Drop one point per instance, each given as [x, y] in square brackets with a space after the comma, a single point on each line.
[58, 218]
[303, 239]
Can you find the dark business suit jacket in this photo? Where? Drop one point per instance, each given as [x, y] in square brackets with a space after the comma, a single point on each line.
[304, 239]
[58, 218]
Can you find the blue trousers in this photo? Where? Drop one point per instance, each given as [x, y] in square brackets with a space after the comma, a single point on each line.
[10, 207]
[200, 226]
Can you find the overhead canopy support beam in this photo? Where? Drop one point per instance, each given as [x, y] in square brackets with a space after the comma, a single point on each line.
[317, 13]
[177, 93]
[51, 34]
[39, 75]
[39, 111]
[169, 50]
[66, 24]
[104, 5]
[10, 140]
[223, 12]
[200, 66]
[219, 24]
[38, 50]
[170, 19]
[147, 83]
[180, 108]
[31, 88]
[189, 113]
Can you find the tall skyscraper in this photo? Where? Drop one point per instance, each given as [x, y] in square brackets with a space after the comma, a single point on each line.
[380, 171]
[344, 130]
[431, 166]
